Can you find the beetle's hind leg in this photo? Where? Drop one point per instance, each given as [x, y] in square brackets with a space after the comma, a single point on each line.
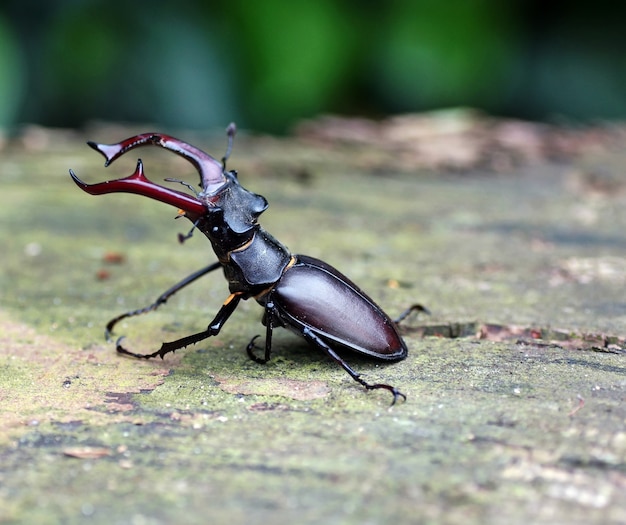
[409, 310]
[308, 334]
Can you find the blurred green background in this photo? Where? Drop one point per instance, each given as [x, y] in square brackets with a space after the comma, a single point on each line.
[201, 64]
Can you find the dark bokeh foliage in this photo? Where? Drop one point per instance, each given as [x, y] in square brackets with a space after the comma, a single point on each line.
[267, 64]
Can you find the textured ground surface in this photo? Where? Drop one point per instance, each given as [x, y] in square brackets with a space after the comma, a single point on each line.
[516, 383]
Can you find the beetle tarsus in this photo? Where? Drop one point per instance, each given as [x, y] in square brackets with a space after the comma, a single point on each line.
[250, 351]
[395, 392]
[121, 350]
[167, 347]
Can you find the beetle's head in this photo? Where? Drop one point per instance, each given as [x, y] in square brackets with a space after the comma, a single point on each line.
[241, 208]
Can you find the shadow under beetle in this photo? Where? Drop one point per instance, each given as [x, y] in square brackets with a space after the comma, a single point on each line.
[298, 292]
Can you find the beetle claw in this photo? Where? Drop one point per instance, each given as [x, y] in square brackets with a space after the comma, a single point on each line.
[394, 391]
[397, 394]
[250, 351]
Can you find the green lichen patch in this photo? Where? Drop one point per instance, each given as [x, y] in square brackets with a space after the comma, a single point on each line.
[515, 384]
[44, 381]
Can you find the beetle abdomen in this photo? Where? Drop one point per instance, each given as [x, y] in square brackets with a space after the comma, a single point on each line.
[314, 294]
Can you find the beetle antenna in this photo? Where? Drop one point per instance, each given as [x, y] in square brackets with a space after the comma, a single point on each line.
[230, 131]
[186, 184]
[182, 238]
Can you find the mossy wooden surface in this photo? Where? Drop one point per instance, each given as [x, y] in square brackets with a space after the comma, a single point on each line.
[493, 431]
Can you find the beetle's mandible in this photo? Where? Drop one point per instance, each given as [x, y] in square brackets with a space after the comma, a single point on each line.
[298, 292]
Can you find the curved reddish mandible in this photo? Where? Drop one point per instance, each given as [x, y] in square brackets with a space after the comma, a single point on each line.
[138, 183]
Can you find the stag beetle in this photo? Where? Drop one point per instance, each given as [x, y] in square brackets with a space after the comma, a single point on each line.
[298, 292]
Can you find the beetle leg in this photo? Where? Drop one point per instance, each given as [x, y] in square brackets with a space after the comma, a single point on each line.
[308, 334]
[268, 321]
[409, 310]
[162, 299]
[214, 328]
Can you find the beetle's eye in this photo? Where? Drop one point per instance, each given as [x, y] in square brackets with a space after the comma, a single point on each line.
[234, 173]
